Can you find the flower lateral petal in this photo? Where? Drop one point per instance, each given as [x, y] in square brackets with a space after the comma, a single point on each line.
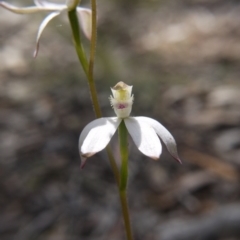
[144, 137]
[96, 135]
[41, 28]
[85, 19]
[164, 135]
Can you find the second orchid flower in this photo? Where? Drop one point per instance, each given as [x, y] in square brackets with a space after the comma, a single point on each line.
[84, 15]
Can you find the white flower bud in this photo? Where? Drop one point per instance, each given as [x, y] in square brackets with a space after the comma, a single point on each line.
[122, 100]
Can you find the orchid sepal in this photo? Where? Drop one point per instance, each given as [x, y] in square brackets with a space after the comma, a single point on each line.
[144, 137]
[164, 135]
[96, 135]
[41, 28]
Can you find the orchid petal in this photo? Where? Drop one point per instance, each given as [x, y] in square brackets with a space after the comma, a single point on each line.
[144, 137]
[96, 135]
[26, 10]
[53, 6]
[85, 17]
[42, 27]
[164, 134]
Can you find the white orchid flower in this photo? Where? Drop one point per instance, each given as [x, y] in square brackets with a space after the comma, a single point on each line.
[143, 130]
[84, 14]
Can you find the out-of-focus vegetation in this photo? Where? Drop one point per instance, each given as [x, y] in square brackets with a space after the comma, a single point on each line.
[183, 59]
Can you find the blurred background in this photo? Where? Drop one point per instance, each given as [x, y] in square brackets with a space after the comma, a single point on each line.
[183, 59]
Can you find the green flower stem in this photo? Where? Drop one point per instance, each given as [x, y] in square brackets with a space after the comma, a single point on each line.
[93, 44]
[93, 40]
[125, 212]
[123, 141]
[113, 164]
[72, 15]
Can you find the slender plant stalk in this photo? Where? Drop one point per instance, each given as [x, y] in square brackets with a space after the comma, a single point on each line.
[125, 212]
[93, 40]
[88, 67]
[113, 165]
[123, 141]
[93, 45]
[73, 19]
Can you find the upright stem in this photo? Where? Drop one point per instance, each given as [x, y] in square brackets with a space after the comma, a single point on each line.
[113, 165]
[93, 45]
[125, 212]
[93, 40]
[72, 15]
[123, 141]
